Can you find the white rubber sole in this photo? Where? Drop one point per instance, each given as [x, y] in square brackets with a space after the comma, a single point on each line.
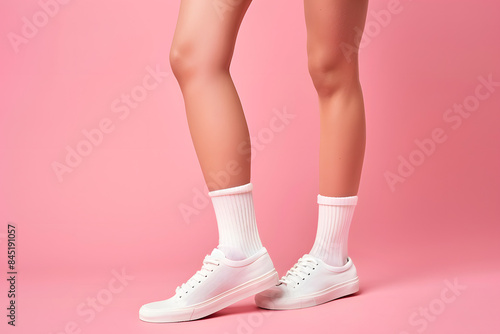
[320, 297]
[218, 302]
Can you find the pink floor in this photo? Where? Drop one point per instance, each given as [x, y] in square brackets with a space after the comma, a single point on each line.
[395, 297]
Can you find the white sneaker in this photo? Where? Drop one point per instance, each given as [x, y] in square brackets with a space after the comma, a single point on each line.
[220, 283]
[310, 282]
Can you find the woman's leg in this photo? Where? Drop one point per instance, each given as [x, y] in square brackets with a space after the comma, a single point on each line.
[200, 56]
[330, 23]
[239, 267]
[326, 273]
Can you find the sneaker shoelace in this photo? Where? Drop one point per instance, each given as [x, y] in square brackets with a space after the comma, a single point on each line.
[299, 271]
[208, 266]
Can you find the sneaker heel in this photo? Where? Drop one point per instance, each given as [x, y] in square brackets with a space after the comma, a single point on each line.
[268, 282]
[350, 288]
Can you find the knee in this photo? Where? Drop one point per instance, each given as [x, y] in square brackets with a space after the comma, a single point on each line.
[331, 73]
[190, 62]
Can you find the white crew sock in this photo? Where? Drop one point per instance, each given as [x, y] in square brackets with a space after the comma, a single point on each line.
[238, 234]
[334, 219]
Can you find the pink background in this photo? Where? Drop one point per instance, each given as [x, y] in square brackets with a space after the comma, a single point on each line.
[119, 208]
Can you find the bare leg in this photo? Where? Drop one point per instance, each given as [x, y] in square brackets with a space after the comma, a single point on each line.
[326, 273]
[200, 56]
[342, 117]
[239, 267]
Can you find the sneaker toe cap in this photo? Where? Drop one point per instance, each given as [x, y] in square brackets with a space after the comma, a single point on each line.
[154, 309]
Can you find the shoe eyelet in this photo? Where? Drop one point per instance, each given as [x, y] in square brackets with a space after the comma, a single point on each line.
[199, 281]
[192, 287]
[303, 279]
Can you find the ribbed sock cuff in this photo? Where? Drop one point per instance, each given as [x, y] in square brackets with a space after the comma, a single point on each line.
[232, 191]
[349, 200]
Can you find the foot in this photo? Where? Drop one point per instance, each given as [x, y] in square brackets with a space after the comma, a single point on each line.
[310, 282]
[220, 283]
